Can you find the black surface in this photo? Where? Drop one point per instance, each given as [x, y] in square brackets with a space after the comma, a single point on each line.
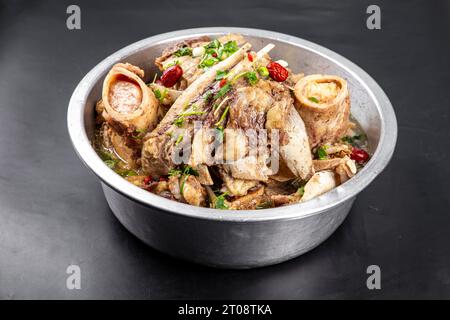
[53, 213]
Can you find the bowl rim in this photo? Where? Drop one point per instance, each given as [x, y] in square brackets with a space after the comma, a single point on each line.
[335, 197]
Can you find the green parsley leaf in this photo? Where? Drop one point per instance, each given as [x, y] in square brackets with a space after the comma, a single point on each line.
[352, 140]
[230, 47]
[220, 202]
[209, 62]
[131, 173]
[157, 94]
[110, 163]
[126, 173]
[348, 139]
[251, 78]
[190, 171]
[249, 75]
[213, 44]
[105, 155]
[222, 91]
[221, 74]
[207, 95]
[161, 95]
[174, 172]
[183, 52]
[322, 153]
[301, 190]
[265, 205]
[183, 183]
[185, 173]
[313, 99]
[179, 139]
[179, 121]
[222, 117]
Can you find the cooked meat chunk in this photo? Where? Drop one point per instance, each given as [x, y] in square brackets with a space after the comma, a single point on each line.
[249, 201]
[193, 192]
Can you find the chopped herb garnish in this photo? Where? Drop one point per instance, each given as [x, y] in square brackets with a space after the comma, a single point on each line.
[174, 172]
[230, 47]
[352, 140]
[251, 77]
[157, 94]
[126, 173]
[161, 96]
[263, 71]
[179, 139]
[193, 113]
[215, 52]
[179, 121]
[190, 171]
[236, 77]
[183, 52]
[207, 95]
[187, 170]
[220, 202]
[209, 62]
[183, 183]
[105, 155]
[313, 99]
[322, 153]
[110, 163]
[222, 91]
[301, 191]
[265, 205]
[138, 134]
[131, 173]
[222, 117]
[108, 158]
[215, 44]
[348, 139]
[185, 173]
[221, 74]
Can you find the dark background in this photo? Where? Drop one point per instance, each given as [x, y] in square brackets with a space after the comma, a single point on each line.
[52, 210]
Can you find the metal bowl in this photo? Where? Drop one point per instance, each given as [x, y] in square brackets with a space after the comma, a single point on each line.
[229, 238]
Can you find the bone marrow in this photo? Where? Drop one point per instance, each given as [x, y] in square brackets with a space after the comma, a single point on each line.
[323, 102]
[127, 99]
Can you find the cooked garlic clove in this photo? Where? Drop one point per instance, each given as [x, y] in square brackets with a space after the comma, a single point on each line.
[198, 51]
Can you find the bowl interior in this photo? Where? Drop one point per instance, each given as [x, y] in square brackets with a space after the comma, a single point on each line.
[300, 59]
[369, 105]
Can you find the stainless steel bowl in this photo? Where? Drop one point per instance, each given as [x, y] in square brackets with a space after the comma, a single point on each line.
[236, 239]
